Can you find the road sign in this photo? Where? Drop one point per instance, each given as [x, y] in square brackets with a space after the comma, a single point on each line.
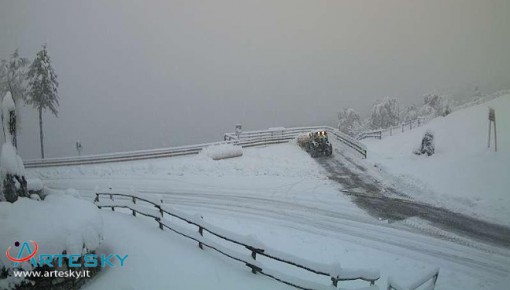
[492, 115]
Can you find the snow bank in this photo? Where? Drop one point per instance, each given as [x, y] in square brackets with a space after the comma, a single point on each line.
[34, 184]
[463, 174]
[58, 223]
[10, 162]
[222, 151]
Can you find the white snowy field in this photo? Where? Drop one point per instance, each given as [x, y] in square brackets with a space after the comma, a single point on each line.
[463, 174]
[283, 197]
[161, 260]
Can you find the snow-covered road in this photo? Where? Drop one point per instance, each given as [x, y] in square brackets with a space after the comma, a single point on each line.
[286, 199]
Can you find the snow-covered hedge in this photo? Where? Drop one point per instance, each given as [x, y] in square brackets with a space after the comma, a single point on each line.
[58, 223]
[222, 151]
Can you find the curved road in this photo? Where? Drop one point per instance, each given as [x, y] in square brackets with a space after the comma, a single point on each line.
[390, 204]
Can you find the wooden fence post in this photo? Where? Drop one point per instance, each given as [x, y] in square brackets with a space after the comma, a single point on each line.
[254, 269]
[160, 224]
[111, 198]
[201, 232]
[335, 281]
[134, 202]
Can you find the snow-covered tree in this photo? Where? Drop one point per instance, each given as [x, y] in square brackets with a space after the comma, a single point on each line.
[441, 105]
[349, 122]
[13, 76]
[43, 84]
[13, 79]
[410, 114]
[385, 114]
[12, 172]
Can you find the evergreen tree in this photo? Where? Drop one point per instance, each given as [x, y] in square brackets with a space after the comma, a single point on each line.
[43, 84]
[13, 76]
[13, 79]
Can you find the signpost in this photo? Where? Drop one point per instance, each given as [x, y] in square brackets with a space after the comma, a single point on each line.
[492, 119]
[78, 147]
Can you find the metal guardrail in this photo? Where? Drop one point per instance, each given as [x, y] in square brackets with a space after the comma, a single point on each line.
[157, 211]
[247, 139]
[291, 133]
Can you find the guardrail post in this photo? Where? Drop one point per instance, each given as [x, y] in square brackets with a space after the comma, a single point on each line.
[403, 127]
[134, 202]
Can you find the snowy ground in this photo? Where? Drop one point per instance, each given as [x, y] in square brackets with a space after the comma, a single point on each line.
[282, 196]
[463, 175]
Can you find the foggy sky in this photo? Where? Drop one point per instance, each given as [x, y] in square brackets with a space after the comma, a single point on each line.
[148, 74]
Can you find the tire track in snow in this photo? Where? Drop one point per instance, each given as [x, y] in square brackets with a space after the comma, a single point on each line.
[386, 202]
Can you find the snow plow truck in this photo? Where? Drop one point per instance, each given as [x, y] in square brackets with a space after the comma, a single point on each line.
[316, 143]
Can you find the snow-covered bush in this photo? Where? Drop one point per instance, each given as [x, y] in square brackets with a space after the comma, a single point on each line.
[349, 122]
[58, 224]
[385, 114]
[427, 144]
[222, 151]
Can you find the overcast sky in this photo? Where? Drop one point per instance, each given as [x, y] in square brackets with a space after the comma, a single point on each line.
[147, 74]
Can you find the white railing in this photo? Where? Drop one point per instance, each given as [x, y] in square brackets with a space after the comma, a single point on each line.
[292, 133]
[247, 139]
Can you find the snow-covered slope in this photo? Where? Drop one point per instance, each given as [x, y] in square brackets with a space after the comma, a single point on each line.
[463, 174]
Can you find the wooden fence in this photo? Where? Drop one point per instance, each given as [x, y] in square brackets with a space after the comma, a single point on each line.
[158, 211]
[429, 277]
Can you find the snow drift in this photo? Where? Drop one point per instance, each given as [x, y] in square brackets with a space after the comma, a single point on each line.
[58, 223]
[222, 151]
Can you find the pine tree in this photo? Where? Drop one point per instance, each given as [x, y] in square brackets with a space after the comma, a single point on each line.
[43, 85]
[13, 79]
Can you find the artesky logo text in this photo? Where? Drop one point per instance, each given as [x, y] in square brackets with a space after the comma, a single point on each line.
[27, 253]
